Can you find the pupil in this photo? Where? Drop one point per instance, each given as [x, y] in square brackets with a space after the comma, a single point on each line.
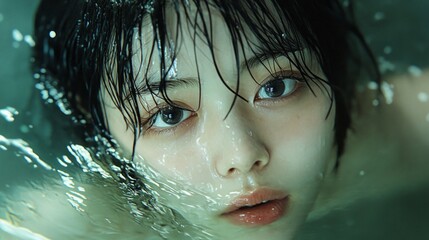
[274, 88]
[172, 115]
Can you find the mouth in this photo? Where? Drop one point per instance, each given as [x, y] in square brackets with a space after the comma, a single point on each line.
[259, 208]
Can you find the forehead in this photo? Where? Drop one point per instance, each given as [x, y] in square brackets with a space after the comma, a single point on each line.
[190, 35]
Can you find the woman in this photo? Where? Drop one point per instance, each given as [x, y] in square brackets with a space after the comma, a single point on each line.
[230, 112]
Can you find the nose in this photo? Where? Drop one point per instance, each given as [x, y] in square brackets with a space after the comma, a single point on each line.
[240, 150]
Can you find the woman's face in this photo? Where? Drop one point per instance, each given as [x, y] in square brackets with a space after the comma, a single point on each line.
[250, 172]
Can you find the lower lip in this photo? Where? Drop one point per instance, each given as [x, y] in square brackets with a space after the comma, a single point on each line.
[259, 215]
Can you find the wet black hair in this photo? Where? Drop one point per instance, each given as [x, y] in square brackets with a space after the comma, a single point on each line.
[87, 44]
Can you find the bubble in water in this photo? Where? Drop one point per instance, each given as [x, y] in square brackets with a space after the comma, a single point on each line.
[64, 109]
[24, 128]
[387, 50]
[415, 71]
[378, 16]
[1, 17]
[28, 39]
[385, 65]
[17, 35]
[387, 90]
[372, 86]
[149, 6]
[423, 97]
[52, 34]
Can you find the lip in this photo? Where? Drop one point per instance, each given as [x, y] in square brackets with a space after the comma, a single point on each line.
[260, 207]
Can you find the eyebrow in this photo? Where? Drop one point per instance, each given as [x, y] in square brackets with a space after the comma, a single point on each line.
[170, 84]
[258, 59]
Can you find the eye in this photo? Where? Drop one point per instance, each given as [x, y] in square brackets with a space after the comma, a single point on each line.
[169, 117]
[277, 88]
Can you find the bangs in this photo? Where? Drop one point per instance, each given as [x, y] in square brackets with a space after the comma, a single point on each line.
[153, 32]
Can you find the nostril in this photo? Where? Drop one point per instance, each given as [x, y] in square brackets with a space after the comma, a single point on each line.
[231, 171]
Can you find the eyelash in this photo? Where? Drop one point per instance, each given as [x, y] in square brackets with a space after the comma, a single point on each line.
[292, 76]
[149, 122]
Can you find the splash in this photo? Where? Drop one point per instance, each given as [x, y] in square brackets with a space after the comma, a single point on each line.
[8, 113]
[19, 232]
[85, 161]
[23, 148]
[51, 94]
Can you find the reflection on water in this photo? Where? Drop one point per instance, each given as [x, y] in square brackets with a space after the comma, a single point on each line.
[46, 168]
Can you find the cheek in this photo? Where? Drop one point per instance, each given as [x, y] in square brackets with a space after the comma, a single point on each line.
[302, 145]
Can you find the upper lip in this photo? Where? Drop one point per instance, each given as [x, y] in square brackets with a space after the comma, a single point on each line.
[253, 198]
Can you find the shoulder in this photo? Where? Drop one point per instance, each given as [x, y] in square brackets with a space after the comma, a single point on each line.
[387, 147]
